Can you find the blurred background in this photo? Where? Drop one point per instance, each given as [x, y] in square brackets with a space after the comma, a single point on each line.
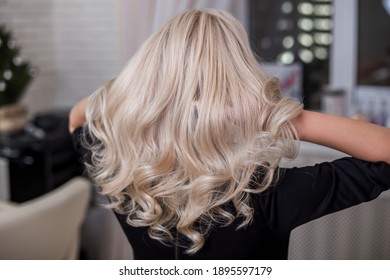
[334, 55]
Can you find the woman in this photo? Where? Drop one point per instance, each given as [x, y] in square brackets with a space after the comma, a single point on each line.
[187, 140]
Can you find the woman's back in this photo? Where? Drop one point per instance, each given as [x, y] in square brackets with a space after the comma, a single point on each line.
[187, 140]
[178, 134]
[303, 194]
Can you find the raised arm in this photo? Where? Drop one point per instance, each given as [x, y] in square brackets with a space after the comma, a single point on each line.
[77, 114]
[359, 139]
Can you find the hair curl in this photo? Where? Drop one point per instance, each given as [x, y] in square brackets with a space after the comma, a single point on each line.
[179, 133]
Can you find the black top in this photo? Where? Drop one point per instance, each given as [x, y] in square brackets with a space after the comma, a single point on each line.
[300, 195]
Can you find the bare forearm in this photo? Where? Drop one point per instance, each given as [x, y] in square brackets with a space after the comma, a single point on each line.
[362, 140]
[77, 114]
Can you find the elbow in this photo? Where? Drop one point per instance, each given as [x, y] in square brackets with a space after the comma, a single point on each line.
[381, 156]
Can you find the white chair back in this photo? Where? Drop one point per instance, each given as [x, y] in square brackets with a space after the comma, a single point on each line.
[47, 227]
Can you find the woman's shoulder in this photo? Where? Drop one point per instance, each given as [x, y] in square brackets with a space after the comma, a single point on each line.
[305, 193]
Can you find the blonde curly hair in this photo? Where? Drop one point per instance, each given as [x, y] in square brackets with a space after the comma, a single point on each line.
[177, 136]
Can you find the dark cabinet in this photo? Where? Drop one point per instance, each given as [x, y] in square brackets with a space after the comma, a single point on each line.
[40, 158]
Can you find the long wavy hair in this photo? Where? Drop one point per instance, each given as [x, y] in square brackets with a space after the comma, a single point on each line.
[178, 135]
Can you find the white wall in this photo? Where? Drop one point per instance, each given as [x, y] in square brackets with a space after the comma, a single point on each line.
[74, 44]
[77, 45]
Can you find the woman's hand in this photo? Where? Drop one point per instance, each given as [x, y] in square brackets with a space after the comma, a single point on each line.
[77, 114]
[359, 139]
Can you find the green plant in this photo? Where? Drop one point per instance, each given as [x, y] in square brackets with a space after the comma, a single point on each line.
[15, 74]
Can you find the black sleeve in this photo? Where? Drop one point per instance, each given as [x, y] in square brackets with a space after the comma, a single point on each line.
[304, 194]
[76, 140]
[79, 137]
